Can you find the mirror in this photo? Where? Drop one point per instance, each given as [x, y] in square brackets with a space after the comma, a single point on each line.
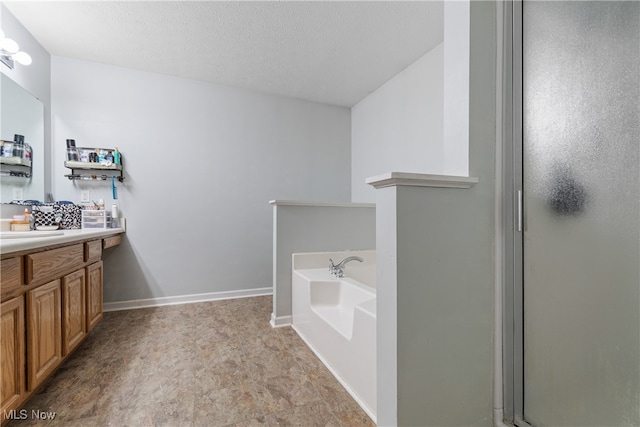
[23, 114]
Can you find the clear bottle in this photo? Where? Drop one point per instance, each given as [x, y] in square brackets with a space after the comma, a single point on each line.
[18, 146]
[84, 156]
[72, 151]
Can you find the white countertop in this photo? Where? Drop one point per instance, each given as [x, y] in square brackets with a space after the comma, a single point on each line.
[68, 236]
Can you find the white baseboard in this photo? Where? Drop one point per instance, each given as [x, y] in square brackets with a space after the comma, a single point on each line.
[280, 322]
[185, 299]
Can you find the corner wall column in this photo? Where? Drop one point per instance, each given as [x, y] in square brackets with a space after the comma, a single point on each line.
[434, 299]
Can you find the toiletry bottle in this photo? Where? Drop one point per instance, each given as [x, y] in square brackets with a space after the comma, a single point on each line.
[28, 218]
[116, 156]
[18, 146]
[114, 216]
[101, 204]
[7, 149]
[72, 151]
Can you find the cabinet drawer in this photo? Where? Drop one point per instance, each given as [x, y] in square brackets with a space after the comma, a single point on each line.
[93, 251]
[53, 263]
[112, 241]
[10, 275]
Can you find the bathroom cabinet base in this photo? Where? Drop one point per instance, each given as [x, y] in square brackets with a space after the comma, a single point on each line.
[51, 299]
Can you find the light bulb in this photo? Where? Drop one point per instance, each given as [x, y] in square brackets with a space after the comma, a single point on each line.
[22, 58]
[10, 46]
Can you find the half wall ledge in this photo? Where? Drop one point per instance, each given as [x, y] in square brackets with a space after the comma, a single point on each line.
[391, 179]
[321, 204]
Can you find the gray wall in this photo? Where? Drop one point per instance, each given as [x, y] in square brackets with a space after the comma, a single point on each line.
[201, 161]
[398, 127]
[34, 78]
[298, 229]
[436, 246]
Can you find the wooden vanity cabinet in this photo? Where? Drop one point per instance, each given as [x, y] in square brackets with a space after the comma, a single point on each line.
[12, 355]
[50, 299]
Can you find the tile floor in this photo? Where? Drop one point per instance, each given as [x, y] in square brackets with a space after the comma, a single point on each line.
[207, 364]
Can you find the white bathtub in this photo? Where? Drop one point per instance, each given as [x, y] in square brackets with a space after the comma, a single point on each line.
[337, 319]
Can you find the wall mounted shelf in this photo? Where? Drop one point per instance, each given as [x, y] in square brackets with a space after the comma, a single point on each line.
[93, 171]
[24, 167]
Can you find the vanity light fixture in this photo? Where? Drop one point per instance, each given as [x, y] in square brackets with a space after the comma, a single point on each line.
[10, 52]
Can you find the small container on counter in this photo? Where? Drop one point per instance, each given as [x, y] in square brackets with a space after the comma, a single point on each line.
[95, 219]
[20, 223]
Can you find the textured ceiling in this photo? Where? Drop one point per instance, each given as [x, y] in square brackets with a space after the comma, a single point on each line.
[333, 52]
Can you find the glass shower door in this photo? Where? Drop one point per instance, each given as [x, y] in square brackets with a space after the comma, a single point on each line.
[581, 183]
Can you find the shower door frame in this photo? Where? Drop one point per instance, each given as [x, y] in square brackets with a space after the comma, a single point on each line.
[512, 214]
[513, 218]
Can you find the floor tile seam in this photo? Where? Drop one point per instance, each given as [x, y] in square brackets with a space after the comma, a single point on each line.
[326, 403]
[330, 407]
[244, 415]
[292, 410]
[283, 346]
[265, 381]
[257, 381]
[266, 413]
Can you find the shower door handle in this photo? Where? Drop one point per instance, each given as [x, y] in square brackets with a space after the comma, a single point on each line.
[520, 213]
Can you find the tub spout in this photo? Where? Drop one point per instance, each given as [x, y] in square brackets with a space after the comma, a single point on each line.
[336, 270]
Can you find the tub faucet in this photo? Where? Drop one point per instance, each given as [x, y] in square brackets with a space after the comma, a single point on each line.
[336, 270]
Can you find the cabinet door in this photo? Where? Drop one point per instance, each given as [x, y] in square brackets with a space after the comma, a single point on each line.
[74, 312]
[44, 342]
[12, 356]
[94, 294]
